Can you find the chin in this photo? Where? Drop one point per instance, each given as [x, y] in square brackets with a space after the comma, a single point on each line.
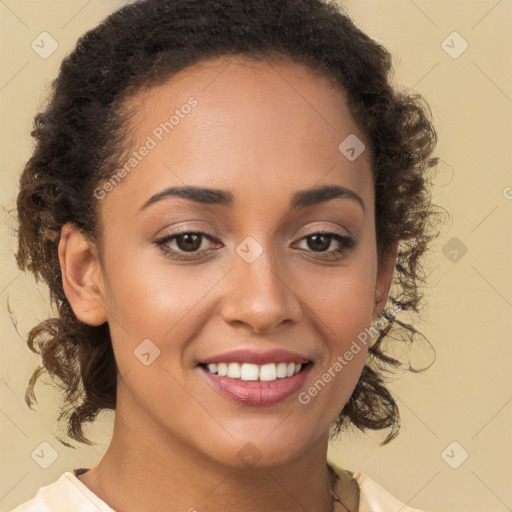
[267, 446]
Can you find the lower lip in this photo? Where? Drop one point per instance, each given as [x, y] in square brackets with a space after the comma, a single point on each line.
[258, 392]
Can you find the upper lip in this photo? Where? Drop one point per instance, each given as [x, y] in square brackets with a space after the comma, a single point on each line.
[259, 358]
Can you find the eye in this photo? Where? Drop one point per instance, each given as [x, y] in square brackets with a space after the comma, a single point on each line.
[320, 242]
[184, 242]
[188, 245]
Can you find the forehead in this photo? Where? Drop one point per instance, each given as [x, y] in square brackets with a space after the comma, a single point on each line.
[258, 126]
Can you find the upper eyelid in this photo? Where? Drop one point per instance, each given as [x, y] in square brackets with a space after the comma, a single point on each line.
[212, 232]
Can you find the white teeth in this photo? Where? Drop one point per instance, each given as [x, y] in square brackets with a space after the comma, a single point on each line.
[281, 370]
[247, 371]
[233, 371]
[222, 369]
[268, 372]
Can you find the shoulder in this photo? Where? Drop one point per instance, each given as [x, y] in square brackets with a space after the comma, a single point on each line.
[372, 496]
[65, 494]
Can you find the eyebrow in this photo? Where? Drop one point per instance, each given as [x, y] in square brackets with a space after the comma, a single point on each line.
[301, 198]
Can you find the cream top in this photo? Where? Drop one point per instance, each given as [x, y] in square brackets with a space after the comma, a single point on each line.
[68, 493]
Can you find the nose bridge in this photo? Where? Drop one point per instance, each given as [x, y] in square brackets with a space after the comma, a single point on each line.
[258, 294]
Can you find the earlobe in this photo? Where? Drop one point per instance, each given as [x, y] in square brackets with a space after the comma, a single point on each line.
[385, 273]
[81, 275]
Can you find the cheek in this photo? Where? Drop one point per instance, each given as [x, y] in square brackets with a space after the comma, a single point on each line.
[343, 314]
[342, 307]
[341, 301]
[149, 298]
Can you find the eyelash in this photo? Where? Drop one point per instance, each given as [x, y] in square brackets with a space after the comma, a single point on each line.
[346, 244]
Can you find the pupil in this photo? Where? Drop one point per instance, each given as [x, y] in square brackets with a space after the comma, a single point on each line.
[324, 246]
[189, 237]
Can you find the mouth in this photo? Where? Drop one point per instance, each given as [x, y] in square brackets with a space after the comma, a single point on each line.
[256, 385]
[253, 372]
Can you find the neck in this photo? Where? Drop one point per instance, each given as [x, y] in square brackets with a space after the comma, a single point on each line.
[176, 478]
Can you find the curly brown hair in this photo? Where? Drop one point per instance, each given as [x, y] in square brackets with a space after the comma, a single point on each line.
[83, 132]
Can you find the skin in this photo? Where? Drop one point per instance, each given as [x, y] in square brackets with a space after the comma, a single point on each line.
[262, 131]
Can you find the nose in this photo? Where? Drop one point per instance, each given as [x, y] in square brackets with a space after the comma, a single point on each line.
[260, 296]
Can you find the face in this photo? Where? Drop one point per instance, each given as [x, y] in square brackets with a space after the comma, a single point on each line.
[260, 273]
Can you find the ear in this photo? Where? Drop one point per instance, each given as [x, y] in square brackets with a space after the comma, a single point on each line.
[385, 273]
[82, 277]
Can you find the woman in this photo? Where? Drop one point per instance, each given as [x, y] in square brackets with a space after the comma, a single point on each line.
[221, 196]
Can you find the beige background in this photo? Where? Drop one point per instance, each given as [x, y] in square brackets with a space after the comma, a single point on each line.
[466, 396]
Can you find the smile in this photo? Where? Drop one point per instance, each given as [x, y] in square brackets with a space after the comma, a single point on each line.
[253, 372]
[263, 385]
